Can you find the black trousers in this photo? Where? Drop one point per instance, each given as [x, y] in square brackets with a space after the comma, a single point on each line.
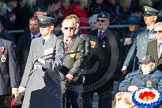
[1, 102]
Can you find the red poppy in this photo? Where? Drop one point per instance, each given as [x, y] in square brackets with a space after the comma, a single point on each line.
[1, 49]
[147, 95]
[103, 36]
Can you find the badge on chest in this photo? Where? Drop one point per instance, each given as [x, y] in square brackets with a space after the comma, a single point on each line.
[3, 57]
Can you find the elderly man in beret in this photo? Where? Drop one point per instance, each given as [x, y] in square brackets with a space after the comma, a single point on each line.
[144, 36]
[145, 77]
[41, 79]
[102, 63]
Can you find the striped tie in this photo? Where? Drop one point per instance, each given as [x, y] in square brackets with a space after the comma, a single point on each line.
[66, 45]
[100, 35]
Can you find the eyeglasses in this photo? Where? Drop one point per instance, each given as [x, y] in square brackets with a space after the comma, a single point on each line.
[66, 28]
[101, 21]
[155, 32]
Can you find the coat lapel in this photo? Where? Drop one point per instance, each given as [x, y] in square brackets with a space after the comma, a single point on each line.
[71, 43]
[154, 49]
[2, 48]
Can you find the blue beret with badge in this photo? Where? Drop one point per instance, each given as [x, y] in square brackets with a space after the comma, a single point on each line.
[45, 21]
[147, 59]
[133, 20]
[103, 15]
[149, 11]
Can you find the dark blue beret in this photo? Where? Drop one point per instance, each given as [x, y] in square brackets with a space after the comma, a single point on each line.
[103, 15]
[147, 59]
[133, 20]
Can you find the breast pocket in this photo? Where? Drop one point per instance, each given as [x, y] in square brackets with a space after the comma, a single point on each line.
[4, 72]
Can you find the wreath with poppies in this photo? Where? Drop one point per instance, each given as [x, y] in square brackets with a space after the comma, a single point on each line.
[147, 98]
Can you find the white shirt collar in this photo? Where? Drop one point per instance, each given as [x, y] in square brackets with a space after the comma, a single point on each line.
[46, 38]
[36, 35]
[69, 39]
[150, 27]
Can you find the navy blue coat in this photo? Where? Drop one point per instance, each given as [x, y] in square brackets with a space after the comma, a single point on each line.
[137, 78]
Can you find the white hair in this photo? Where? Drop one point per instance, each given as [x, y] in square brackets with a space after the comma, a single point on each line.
[93, 17]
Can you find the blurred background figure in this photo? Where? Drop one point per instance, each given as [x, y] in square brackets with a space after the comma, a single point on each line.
[123, 10]
[138, 7]
[56, 9]
[6, 35]
[129, 37]
[3, 13]
[95, 7]
[23, 44]
[79, 8]
[93, 22]
[133, 25]
[24, 11]
[11, 6]
[110, 7]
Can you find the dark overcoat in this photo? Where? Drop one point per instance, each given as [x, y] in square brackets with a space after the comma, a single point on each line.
[138, 79]
[8, 75]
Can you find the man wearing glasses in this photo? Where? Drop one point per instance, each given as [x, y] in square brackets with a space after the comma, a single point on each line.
[144, 36]
[105, 52]
[74, 52]
[154, 48]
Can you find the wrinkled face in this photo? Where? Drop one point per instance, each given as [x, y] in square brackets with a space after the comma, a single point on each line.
[150, 20]
[93, 24]
[68, 28]
[133, 27]
[45, 31]
[147, 67]
[102, 23]
[158, 32]
[33, 26]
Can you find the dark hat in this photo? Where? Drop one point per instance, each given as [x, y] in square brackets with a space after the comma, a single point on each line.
[103, 15]
[45, 21]
[149, 11]
[147, 59]
[133, 20]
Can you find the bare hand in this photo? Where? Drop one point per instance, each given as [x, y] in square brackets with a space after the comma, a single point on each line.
[69, 77]
[124, 70]
[15, 92]
[132, 88]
